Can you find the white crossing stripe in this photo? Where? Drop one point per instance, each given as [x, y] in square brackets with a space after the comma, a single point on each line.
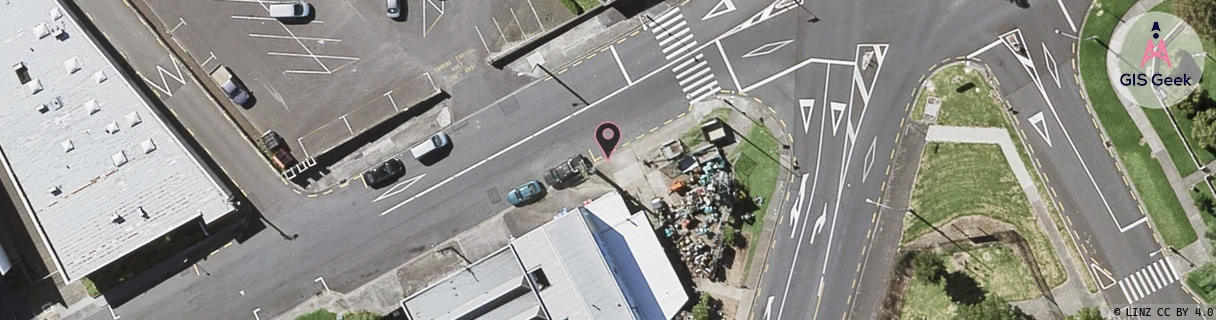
[677, 43]
[1149, 279]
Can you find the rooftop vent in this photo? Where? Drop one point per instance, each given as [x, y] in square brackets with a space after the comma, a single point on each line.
[117, 219]
[144, 213]
[54, 190]
[42, 108]
[119, 158]
[99, 76]
[148, 146]
[23, 73]
[112, 128]
[92, 106]
[35, 86]
[56, 13]
[57, 103]
[41, 30]
[133, 119]
[67, 145]
[72, 65]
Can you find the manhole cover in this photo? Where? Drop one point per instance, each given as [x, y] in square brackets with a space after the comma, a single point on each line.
[493, 194]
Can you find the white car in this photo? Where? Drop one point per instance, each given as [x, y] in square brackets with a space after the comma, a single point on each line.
[293, 10]
[394, 9]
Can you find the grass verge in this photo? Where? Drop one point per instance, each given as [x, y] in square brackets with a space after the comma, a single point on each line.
[319, 314]
[1203, 281]
[963, 179]
[1143, 171]
[927, 300]
[757, 170]
[966, 103]
[1205, 156]
[1173, 143]
[693, 137]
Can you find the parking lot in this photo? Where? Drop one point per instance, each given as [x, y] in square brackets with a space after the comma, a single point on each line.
[350, 66]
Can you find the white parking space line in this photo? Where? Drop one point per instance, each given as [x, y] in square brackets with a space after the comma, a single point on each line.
[307, 72]
[483, 38]
[302, 55]
[255, 1]
[272, 36]
[520, 25]
[260, 18]
[542, 24]
[500, 33]
[181, 22]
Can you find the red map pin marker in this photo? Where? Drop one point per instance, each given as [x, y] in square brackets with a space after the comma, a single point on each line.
[607, 135]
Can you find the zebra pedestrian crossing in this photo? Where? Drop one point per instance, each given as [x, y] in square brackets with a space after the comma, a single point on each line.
[677, 43]
[1147, 280]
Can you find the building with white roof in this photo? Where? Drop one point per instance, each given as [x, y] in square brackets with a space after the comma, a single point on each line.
[599, 262]
[96, 167]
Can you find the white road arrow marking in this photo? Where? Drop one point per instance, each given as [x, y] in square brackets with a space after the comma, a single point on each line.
[768, 311]
[837, 115]
[1037, 120]
[797, 209]
[723, 7]
[804, 106]
[869, 160]
[1052, 68]
[819, 222]
[399, 187]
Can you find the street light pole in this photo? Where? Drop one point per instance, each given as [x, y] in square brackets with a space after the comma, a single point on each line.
[813, 18]
[922, 219]
[563, 83]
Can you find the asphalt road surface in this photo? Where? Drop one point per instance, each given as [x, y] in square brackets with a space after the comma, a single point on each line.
[808, 71]
[822, 239]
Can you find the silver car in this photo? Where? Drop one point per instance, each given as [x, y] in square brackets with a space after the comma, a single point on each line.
[394, 8]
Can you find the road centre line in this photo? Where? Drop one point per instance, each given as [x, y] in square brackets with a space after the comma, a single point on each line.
[814, 184]
[656, 71]
[617, 57]
[729, 69]
[272, 36]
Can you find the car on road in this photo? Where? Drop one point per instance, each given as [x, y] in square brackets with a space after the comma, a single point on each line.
[435, 142]
[394, 9]
[527, 193]
[291, 10]
[384, 172]
[568, 173]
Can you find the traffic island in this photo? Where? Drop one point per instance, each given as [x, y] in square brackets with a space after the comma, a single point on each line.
[977, 208]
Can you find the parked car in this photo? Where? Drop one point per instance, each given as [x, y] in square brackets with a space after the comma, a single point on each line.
[394, 9]
[273, 141]
[527, 193]
[292, 10]
[569, 172]
[231, 85]
[385, 172]
[435, 142]
[283, 158]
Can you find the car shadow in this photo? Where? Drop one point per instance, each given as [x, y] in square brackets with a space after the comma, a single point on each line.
[436, 155]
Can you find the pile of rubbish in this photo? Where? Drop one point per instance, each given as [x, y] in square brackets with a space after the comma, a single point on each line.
[701, 203]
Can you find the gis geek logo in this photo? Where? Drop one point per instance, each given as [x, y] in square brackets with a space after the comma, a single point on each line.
[1170, 60]
[1157, 51]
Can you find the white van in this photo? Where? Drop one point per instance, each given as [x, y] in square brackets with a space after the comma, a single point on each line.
[294, 10]
[436, 141]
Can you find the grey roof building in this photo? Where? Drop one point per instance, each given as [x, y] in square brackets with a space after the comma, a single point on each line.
[598, 262]
[96, 167]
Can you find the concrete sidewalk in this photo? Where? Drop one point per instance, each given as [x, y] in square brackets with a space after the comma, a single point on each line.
[1179, 184]
[1070, 296]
